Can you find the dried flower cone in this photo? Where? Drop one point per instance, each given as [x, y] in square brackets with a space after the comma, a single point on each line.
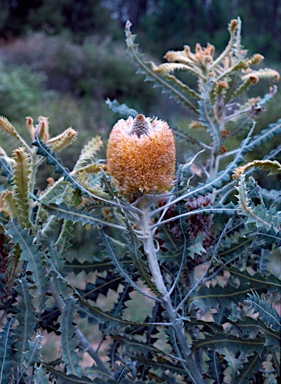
[141, 155]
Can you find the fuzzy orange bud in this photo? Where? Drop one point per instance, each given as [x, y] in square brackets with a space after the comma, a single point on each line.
[141, 155]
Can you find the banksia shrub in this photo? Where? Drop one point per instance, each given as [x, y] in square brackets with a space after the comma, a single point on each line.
[141, 155]
[181, 282]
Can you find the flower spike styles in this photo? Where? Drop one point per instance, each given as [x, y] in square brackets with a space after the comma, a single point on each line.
[141, 156]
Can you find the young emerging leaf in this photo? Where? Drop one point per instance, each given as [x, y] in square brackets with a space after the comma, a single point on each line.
[22, 174]
[268, 165]
[88, 153]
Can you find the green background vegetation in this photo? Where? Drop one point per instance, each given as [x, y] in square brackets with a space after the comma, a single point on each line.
[64, 59]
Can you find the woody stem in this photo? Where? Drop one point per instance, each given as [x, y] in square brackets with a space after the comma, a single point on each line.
[151, 253]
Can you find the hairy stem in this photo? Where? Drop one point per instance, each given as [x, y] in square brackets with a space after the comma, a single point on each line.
[150, 251]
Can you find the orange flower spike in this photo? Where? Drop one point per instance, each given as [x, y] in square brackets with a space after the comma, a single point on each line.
[141, 156]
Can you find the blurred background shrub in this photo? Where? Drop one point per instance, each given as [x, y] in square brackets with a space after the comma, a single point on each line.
[77, 51]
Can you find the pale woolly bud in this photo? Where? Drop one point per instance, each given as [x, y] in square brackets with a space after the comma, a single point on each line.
[30, 127]
[198, 48]
[187, 50]
[211, 49]
[43, 128]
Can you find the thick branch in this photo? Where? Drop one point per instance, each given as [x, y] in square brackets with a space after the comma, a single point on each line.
[148, 244]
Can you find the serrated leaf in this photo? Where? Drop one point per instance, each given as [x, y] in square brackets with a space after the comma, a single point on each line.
[30, 254]
[267, 313]
[63, 378]
[98, 315]
[234, 363]
[68, 342]
[26, 318]
[249, 369]
[249, 328]
[136, 346]
[242, 88]
[183, 86]
[229, 345]
[60, 192]
[207, 117]
[44, 150]
[271, 282]
[91, 311]
[6, 352]
[219, 209]
[260, 215]
[77, 266]
[122, 109]
[219, 296]
[40, 376]
[196, 247]
[66, 234]
[216, 371]
[138, 308]
[265, 135]
[33, 354]
[112, 254]
[8, 127]
[71, 214]
[159, 364]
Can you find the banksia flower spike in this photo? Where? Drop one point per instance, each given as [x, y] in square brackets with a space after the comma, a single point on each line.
[141, 155]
